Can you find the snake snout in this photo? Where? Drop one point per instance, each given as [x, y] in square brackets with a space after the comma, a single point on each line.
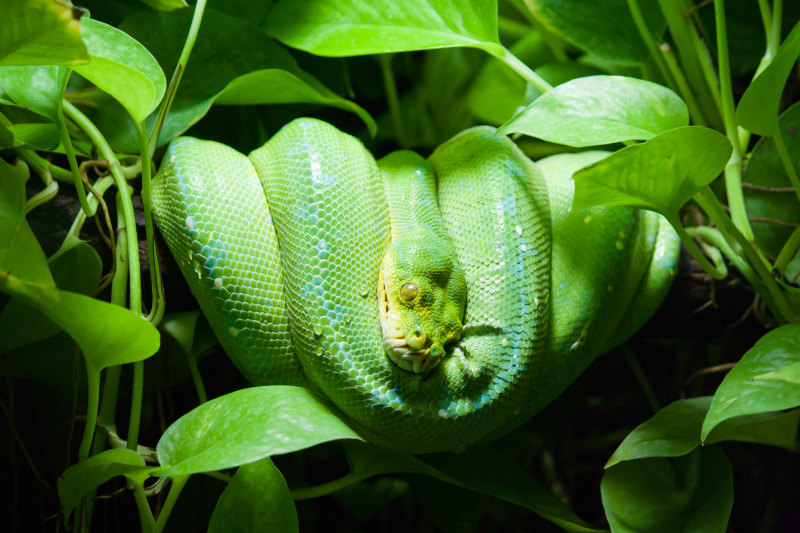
[416, 339]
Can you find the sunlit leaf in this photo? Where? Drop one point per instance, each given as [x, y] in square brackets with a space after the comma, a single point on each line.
[358, 27]
[123, 68]
[20, 253]
[41, 32]
[599, 110]
[39, 88]
[256, 499]
[248, 425]
[661, 174]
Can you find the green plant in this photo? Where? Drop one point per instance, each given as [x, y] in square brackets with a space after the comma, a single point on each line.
[83, 89]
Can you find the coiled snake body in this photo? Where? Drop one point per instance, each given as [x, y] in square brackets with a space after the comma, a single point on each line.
[436, 303]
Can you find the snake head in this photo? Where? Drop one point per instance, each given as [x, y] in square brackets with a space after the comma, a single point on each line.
[422, 293]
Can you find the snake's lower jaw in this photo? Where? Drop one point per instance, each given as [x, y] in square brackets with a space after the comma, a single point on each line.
[416, 361]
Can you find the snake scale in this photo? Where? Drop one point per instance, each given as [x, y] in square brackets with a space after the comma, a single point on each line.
[437, 303]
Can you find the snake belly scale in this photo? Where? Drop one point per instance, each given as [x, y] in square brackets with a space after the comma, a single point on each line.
[416, 295]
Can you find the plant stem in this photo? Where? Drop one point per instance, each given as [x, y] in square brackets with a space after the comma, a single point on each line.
[708, 201]
[774, 36]
[788, 251]
[127, 206]
[197, 379]
[686, 92]
[692, 248]
[652, 47]
[93, 399]
[178, 483]
[733, 171]
[786, 159]
[136, 405]
[145, 514]
[636, 368]
[73, 162]
[504, 54]
[327, 488]
[156, 288]
[390, 87]
[101, 186]
[169, 96]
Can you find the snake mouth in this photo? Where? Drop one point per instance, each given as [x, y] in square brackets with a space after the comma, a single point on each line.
[394, 339]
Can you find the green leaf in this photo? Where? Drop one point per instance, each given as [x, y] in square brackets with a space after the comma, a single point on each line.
[359, 27]
[599, 110]
[123, 68]
[773, 215]
[756, 384]
[758, 109]
[41, 32]
[690, 493]
[248, 425]
[605, 29]
[231, 59]
[20, 253]
[36, 136]
[108, 334]
[477, 470]
[39, 88]
[256, 499]
[84, 477]
[77, 268]
[675, 431]
[286, 88]
[661, 174]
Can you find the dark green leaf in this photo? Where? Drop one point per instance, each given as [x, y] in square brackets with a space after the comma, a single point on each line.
[84, 477]
[756, 384]
[123, 68]
[20, 253]
[76, 268]
[108, 334]
[605, 29]
[599, 110]
[475, 470]
[690, 493]
[675, 431]
[248, 425]
[256, 499]
[661, 174]
[758, 109]
[41, 32]
[38, 88]
[181, 327]
[358, 27]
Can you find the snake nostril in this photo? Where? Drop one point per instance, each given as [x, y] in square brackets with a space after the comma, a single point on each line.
[416, 339]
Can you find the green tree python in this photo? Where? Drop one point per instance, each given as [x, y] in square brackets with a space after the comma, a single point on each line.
[436, 303]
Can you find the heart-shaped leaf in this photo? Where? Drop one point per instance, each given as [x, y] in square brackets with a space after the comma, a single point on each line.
[761, 381]
[661, 174]
[39, 88]
[597, 110]
[758, 109]
[248, 425]
[359, 27]
[123, 68]
[256, 499]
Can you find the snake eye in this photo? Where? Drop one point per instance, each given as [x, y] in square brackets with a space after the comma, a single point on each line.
[409, 291]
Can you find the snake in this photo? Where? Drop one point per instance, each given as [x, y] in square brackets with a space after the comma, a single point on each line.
[436, 303]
